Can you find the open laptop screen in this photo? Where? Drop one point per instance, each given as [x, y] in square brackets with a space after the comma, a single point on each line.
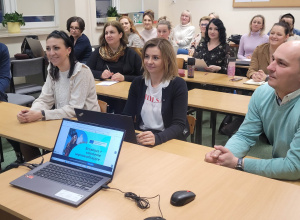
[88, 146]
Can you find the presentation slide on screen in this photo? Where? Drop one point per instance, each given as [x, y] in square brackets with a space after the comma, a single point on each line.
[86, 146]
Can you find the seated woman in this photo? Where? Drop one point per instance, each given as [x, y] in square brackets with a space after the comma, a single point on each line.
[158, 99]
[69, 85]
[262, 55]
[199, 38]
[113, 59]
[82, 45]
[214, 50]
[134, 38]
[164, 30]
[184, 32]
[149, 32]
[256, 37]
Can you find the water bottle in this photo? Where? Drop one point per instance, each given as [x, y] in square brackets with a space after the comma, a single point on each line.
[231, 67]
[191, 67]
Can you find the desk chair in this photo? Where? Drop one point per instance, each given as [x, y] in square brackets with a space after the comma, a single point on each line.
[180, 63]
[138, 50]
[103, 106]
[192, 123]
[27, 67]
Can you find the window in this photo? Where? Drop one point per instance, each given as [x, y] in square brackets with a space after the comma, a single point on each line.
[101, 9]
[36, 13]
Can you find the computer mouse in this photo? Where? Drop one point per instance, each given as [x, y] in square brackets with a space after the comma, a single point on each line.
[180, 198]
[155, 218]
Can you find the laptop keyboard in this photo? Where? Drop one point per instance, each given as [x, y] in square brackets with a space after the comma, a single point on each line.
[68, 176]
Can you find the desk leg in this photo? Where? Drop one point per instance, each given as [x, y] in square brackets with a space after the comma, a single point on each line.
[213, 122]
[199, 115]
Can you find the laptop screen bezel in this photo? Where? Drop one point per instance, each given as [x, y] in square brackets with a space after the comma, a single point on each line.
[84, 169]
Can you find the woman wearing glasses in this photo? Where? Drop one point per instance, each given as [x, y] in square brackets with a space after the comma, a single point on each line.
[82, 45]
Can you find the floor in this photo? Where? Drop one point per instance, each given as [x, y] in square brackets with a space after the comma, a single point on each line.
[262, 149]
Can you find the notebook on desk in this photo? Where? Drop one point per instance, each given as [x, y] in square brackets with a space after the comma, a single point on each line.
[84, 158]
[123, 122]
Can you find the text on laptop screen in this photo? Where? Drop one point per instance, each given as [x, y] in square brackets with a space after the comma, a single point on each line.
[88, 146]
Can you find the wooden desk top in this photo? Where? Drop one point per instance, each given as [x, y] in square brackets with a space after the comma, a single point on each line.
[221, 193]
[219, 79]
[40, 134]
[119, 90]
[219, 101]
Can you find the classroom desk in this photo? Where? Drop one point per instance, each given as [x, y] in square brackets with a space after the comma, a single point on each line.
[119, 90]
[221, 193]
[215, 102]
[40, 134]
[220, 80]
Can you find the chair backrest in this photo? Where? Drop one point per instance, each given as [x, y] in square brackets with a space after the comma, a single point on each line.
[192, 123]
[137, 50]
[103, 106]
[28, 67]
[180, 62]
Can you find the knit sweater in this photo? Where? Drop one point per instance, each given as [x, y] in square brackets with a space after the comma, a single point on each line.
[183, 35]
[281, 126]
[134, 40]
[78, 91]
[148, 34]
[249, 43]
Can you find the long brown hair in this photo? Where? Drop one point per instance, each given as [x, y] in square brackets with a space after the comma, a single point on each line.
[132, 27]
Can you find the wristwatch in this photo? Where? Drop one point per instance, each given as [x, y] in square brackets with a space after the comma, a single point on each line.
[239, 165]
[43, 114]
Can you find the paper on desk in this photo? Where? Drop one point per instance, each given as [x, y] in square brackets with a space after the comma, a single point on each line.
[106, 83]
[252, 82]
[200, 64]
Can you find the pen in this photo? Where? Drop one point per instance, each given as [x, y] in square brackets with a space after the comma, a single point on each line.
[107, 67]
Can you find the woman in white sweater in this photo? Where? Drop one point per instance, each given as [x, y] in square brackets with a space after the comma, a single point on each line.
[69, 84]
[184, 32]
[149, 31]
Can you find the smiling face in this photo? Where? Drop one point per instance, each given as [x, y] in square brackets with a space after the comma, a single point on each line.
[256, 24]
[284, 70]
[184, 18]
[163, 31]
[58, 53]
[153, 61]
[126, 25]
[277, 36]
[147, 22]
[213, 32]
[112, 36]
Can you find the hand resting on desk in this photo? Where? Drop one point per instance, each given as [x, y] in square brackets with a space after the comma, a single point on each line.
[221, 156]
[27, 115]
[146, 138]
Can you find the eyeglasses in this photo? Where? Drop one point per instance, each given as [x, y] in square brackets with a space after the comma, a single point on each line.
[203, 25]
[74, 28]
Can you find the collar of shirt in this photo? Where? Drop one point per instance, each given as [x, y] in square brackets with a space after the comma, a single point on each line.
[255, 33]
[288, 97]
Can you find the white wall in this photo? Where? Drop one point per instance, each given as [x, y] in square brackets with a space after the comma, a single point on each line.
[236, 20]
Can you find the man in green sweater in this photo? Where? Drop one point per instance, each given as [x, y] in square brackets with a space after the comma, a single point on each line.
[275, 110]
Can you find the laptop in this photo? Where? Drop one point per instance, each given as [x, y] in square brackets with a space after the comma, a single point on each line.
[84, 158]
[36, 47]
[123, 122]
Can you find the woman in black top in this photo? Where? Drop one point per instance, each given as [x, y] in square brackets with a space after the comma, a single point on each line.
[113, 59]
[214, 50]
[158, 99]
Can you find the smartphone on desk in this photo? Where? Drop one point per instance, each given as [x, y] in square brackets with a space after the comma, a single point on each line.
[236, 79]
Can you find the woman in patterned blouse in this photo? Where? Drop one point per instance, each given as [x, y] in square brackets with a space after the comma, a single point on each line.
[214, 50]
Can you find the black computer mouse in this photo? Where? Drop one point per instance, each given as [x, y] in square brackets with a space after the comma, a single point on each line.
[155, 218]
[180, 198]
